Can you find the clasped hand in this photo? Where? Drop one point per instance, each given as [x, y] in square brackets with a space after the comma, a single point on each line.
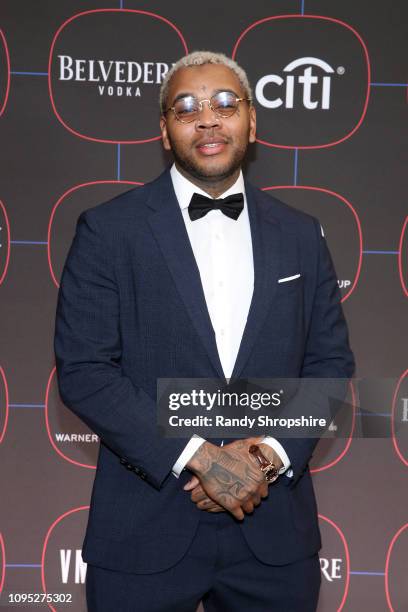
[227, 478]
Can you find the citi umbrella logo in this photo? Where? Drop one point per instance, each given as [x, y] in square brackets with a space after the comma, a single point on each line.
[308, 80]
[310, 76]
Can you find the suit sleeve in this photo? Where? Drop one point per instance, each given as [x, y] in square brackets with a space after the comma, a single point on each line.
[87, 346]
[327, 356]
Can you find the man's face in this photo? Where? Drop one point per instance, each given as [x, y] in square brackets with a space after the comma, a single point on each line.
[211, 148]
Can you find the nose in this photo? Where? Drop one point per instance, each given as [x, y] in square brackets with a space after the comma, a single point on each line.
[207, 118]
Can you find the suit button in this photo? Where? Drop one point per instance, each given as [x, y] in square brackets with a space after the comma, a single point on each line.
[129, 466]
[143, 475]
[123, 461]
[136, 469]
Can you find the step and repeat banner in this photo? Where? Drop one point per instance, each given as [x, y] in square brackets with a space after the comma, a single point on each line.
[79, 84]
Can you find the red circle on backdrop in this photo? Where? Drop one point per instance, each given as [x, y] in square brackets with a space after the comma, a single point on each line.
[393, 434]
[345, 450]
[387, 566]
[7, 56]
[6, 415]
[347, 557]
[365, 51]
[93, 11]
[59, 202]
[6, 265]
[44, 549]
[3, 563]
[355, 215]
[400, 247]
[47, 424]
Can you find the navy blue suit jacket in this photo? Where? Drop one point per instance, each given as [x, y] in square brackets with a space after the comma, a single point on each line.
[131, 308]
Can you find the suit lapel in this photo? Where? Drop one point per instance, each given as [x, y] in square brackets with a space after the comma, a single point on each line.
[168, 226]
[266, 248]
[169, 229]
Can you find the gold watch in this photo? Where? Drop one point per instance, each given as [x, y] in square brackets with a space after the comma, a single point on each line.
[269, 469]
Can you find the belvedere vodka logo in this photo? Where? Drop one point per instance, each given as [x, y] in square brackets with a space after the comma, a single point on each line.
[309, 75]
[112, 77]
[105, 71]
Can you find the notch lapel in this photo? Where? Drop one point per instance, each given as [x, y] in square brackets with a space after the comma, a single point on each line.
[168, 227]
[266, 248]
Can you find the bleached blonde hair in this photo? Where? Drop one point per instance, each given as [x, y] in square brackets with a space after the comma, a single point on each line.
[199, 58]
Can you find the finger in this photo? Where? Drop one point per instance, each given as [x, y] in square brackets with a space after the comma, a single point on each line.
[248, 506]
[256, 499]
[193, 482]
[207, 504]
[264, 489]
[199, 495]
[238, 513]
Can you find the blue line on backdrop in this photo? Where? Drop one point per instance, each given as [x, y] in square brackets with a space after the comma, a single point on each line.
[389, 84]
[294, 182]
[373, 414]
[29, 73]
[295, 172]
[26, 405]
[381, 252]
[8, 565]
[118, 163]
[302, 7]
[367, 573]
[26, 242]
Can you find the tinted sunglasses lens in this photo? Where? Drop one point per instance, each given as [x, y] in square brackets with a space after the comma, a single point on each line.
[186, 109]
[224, 103]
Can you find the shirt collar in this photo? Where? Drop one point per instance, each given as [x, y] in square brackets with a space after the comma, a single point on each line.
[184, 188]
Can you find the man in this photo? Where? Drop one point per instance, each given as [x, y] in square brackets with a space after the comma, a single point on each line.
[160, 282]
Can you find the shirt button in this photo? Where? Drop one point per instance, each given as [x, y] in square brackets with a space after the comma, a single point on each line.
[220, 283]
[222, 332]
[217, 236]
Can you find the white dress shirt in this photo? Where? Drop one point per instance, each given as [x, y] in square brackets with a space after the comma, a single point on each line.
[222, 249]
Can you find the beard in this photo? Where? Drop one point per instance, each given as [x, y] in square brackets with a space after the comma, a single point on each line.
[211, 173]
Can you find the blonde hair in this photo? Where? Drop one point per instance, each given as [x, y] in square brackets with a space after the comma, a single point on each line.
[199, 58]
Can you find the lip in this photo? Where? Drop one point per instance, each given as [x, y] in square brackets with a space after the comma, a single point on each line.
[211, 147]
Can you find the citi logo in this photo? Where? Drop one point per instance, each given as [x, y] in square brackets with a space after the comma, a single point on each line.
[314, 85]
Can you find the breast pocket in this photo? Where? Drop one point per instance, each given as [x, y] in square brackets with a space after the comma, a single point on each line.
[289, 283]
[289, 306]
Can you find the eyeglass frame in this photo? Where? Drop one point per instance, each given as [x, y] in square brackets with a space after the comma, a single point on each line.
[200, 102]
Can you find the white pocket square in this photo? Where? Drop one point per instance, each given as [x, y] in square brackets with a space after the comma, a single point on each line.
[288, 278]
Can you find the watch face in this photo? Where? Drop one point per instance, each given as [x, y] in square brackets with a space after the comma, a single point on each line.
[271, 473]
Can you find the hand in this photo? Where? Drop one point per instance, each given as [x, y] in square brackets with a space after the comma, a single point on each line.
[200, 498]
[229, 476]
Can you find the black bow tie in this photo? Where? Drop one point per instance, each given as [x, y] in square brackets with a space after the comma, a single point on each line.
[231, 205]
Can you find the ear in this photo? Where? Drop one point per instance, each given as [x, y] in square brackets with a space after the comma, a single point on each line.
[252, 123]
[165, 137]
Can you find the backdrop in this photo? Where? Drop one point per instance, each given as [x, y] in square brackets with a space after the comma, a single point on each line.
[79, 85]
